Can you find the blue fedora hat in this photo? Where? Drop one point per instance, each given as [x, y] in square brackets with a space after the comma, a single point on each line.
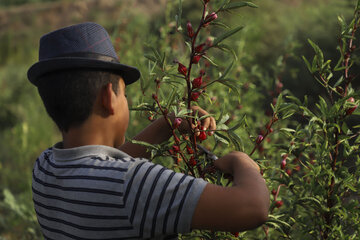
[85, 45]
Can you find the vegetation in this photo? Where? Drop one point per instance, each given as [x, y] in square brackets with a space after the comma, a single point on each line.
[288, 101]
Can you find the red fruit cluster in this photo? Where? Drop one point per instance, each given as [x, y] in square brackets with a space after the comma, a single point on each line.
[196, 59]
[192, 161]
[182, 69]
[278, 203]
[175, 148]
[195, 96]
[273, 192]
[197, 82]
[199, 48]
[189, 149]
[202, 136]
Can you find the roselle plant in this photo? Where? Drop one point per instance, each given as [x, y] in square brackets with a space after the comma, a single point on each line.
[309, 155]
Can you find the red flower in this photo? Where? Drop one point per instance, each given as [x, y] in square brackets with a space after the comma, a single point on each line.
[196, 59]
[273, 192]
[177, 122]
[278, 203]
[190, 30]
[182, 69]
[197, 82]
[202, 136]
[195, 96]
[289, 172]
[192, 161]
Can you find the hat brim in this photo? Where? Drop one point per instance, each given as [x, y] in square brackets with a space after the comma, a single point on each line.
[129, 74]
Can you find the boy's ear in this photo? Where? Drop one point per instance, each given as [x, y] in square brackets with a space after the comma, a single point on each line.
[108, 98]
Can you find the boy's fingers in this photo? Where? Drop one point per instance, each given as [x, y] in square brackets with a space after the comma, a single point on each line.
[206, 123]
[212, 126]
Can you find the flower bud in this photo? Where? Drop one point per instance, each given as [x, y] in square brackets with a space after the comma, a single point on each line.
[210, 17]
[350, 110]
[182, 69]
[289, 172]
[177, 122]
[206, 1]
[278, 203]
[195, 96]
[259, 139]
[273, 192]
[190, 30]
[197, 82]
[283, 164]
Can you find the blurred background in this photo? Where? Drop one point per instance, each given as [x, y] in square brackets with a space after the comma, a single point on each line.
[274, 33]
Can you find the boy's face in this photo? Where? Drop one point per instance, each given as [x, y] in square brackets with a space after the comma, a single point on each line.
[122, 113]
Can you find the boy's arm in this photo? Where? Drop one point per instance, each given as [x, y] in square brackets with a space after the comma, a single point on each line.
[243, 206]
[159, 131]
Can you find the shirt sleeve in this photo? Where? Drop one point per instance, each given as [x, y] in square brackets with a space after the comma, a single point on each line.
[160, 201]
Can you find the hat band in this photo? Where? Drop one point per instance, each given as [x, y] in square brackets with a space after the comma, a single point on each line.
[90, 55]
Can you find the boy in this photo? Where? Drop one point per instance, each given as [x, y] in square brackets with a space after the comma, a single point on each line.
[92, 185]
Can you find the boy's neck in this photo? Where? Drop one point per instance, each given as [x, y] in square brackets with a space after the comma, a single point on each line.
[92, 132]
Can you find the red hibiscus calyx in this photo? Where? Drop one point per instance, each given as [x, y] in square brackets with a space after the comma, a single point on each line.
[195, 96]
[196, 83]
[182, 69]
[196, 59]
[190, 30]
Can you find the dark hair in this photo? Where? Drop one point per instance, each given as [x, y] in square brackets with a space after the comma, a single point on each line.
[69, 95]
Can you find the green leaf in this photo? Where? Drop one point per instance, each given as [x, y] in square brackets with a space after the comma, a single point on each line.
[230, 85]
[179, 15]
[227, 70]
[211, 61]
[219, 24]
[318, 52]
[227, 48]
[145, 144]
[226, 35]
[235, 5]
[221, 138]
[308, 65]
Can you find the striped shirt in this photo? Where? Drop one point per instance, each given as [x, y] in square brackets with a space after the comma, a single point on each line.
[99, 192]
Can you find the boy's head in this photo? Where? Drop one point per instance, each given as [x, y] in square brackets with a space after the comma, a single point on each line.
[75, 64]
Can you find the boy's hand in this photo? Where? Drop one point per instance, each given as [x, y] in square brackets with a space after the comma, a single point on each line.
[207, 124]
[226, 163]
